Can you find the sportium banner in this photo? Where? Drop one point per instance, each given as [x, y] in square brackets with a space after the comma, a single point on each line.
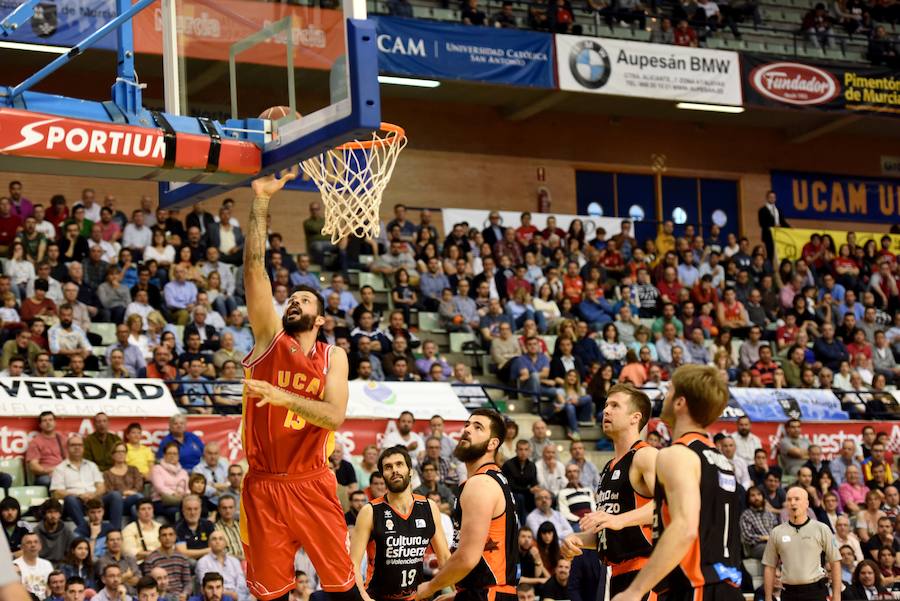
[659, 71]
[785, 84]
[789, 241]
[825, 197]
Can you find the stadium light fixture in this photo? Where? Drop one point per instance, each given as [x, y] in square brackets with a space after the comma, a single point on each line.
[35, 47]
[712, 108]
[408, 81]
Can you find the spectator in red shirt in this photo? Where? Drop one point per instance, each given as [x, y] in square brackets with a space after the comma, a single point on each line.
[684, 34]
[517, 281]
[552, 229]
[612, 261]
[669, 287]
[573, 285]
[765, 367]
[787, 334]
[508, 247]
[9, 225]
[38, 305]
[859, 345]
[46, 450]
[704, 292]
[526, 231]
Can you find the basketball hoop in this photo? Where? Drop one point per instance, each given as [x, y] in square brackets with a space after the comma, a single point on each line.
[352, 178]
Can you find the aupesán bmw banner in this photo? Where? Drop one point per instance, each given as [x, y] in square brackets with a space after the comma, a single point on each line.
[660, 71]
[793, 84]
[442, 51]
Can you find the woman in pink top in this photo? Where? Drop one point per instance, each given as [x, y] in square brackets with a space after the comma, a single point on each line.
[170, 483]
[853, 491]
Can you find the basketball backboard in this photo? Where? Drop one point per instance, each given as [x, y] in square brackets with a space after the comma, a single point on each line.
[230, 60]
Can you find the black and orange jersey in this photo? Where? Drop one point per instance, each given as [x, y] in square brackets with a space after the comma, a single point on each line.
[498, 564]
[397, 548]
[715, 554]
[625, 550]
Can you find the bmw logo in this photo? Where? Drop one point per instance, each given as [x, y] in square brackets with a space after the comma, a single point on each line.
[589, 64]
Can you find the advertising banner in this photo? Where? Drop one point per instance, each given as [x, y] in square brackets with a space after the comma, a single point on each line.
[789, 241]
[771, 404]
[821, 196]
[444, 51]
[206, 30]
[479, 218]
[827, 435]
[388, 399]
[785, 84]
[659, 71]
[134, 398]
[354, 434]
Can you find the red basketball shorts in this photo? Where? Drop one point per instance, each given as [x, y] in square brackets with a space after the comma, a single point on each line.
[281, 513]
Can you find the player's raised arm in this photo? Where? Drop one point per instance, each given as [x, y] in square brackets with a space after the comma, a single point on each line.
[439, 540]
[329, 414]
[678, 469]
[257, 287]
[478, 501]
[359, 540]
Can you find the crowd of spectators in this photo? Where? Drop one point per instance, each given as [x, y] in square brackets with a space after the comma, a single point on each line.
[118, 512]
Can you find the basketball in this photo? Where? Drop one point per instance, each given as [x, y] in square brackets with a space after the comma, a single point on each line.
[273, 113]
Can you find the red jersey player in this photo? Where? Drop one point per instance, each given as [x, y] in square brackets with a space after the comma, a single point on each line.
[295, 397]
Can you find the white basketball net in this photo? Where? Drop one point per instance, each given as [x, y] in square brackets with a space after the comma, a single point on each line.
[352, 178]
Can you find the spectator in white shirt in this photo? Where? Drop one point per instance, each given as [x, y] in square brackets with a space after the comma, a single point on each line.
[35, 570]
[43, 226]
[575, 501]
[67, 339]
[280, 299]
[137, 236]
[405, 436]
[746, 441]
[551, 473]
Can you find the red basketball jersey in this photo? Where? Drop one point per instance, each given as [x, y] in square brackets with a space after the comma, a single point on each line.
[275, 439]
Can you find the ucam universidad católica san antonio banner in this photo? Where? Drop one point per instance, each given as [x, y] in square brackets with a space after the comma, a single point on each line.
[826, 197]
[660, 71]
[794, 84]
[444, 51]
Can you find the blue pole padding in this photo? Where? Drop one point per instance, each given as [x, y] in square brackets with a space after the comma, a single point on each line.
[18, 17]
[86, 43]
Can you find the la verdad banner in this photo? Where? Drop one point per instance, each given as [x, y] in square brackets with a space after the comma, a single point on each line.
[795, 84]
[821, 196]
[130, 397]
[478, 218]
[444, 51]
[658, 71]
[827, 435]
[789, 241]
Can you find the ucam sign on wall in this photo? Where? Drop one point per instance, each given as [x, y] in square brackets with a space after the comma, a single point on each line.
[659, 71]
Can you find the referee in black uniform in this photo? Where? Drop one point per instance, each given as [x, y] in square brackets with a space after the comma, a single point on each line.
[802, 545]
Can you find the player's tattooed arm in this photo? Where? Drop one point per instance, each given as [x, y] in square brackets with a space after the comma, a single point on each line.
[329, 413]
[257, 287]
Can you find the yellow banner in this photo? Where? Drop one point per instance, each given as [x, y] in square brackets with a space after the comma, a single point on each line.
[789, 242]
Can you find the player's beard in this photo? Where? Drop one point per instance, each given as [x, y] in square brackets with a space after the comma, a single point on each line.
[298, 325]
[471, 451]
[398, 487]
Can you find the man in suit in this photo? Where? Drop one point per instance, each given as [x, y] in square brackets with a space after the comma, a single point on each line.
[227, 237]
[199, 218]
[209, 336]
[770, 216]
[493, 233]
